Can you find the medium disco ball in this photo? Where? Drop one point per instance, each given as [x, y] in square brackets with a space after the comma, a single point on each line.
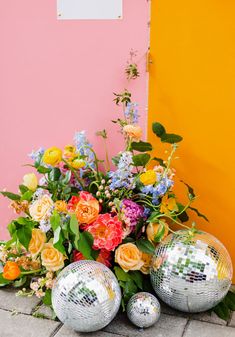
[86, 296]
[143, 310]
[191, 273]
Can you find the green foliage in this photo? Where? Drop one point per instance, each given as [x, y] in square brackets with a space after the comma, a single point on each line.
[183, 217]
[160, 131]
[27, 195]
[191, 193]
[19, 283]
[47, 298]
[3, 281]
[21, 230]
[160, 161]
[145, 246]
[224, 308]
[141, 146]
[141, 159]
[24, 235]
[123, 97]
[198, 213]
[161, 231]
[74, 228]
[54, 174]
[12, 196]
[85, 244]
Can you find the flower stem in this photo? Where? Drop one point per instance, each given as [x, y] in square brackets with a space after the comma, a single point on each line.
[74, 172]
[30, 272]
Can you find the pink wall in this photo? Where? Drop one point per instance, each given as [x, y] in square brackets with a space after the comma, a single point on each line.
[58, 77]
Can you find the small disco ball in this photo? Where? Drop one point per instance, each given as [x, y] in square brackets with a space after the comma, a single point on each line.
[86, 296]
[191, 273]
[143, 310]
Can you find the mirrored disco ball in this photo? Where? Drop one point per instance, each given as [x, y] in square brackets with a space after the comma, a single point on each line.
[191, 273]
[143, 309]
[86, 296]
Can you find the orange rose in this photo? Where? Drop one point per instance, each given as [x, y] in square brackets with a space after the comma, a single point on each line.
[133, 131]
[85, 206]
[37, 241]
[11, 271]
[52, 259]
[129, 257]
[155, 228]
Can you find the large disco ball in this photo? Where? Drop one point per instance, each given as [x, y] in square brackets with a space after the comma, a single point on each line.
[143, 310]
[191, 273]
[86, 296]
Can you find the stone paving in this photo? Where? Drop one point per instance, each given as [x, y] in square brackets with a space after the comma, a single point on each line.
[22, 317]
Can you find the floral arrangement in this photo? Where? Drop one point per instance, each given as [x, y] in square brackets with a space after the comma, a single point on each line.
[79, 207]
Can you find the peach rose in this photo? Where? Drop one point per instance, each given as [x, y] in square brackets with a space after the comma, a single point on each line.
[85, 206]
[52, 259]
[129, 257]
[37, 241]
[146, 258]
[154, 228]
[133, 131]
[41, 208]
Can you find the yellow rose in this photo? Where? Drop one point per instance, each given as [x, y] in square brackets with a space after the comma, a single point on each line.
[133, 131]
[61, 206]
[30, 180]
[52, 259]
[52, 156]
[37, 241]
[146, 258]
[41, 208]
[148, 178]
[154, 228]
[129, 257]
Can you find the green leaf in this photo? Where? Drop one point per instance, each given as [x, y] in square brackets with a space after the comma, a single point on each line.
[229, 300]
[137, 277]
[130, 289]
[85, 244]
[153, 217]
[20, 282]
[58, 240]
[145, 246]
[27, 195]
[199, 214]
[10, 195]
[141, 146]
[161, 231]
[74, 227]
[54, 174]
[47, 298]
[160, 161]
[43, 169]
[222, 311]
[55, 220]
[171, 138]
[66, 178]
[158, 129]
[141, 159]
[11, 227]
[192, 195]
[183, 216]
[23, 189]
[24, 235]
[121, 274]
[3, 281]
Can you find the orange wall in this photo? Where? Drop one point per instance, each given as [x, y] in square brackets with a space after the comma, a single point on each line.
[192, 92]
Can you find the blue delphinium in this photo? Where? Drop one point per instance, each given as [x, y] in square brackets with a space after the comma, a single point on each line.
[84, 148]
[158, 190]
[123, 176]
[131, 113]
[37, 154]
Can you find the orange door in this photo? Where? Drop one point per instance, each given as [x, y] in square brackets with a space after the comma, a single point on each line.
[192, 93]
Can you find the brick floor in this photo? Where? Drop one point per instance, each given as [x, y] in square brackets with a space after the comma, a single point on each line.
[17, 318]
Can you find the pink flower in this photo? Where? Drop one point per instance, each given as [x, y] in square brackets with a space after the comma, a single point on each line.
[107, 232]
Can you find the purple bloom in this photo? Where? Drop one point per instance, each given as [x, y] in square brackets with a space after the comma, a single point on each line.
[132, 212]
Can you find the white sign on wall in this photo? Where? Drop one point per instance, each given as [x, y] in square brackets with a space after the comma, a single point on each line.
[89, 9]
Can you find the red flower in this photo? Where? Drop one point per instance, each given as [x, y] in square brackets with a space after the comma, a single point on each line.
[103, 257]
[107, 232]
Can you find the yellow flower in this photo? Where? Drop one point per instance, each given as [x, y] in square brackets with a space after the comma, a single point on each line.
[69, 151]
[52, 156]
[133, 131]
[148, 178]
[168, 204]
[30, 180]
[41, 208]
[129, 257]
[154, 228]
[37, 241]
[52, 259]
[146, 258]
[61, 206]
[77, 163]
